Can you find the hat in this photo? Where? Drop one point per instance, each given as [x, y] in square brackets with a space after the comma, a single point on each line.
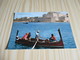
[38, 31]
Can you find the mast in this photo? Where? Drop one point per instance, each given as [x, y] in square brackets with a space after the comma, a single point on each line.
[60, 34]
[17, 34]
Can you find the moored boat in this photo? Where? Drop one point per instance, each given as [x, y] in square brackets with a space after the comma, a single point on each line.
[25, 23]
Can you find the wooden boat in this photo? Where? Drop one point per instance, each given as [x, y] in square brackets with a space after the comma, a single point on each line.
[42, 43]
[25, 23]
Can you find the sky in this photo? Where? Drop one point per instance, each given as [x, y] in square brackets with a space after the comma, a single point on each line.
[29, 14]
[32, 14]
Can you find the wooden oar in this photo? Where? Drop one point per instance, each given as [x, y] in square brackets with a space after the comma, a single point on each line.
[35, 44]
[43, 37]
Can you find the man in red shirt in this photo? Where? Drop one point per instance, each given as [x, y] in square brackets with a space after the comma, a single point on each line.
[52, 38]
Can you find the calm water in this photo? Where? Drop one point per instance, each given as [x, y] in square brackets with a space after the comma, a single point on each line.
[46, 29]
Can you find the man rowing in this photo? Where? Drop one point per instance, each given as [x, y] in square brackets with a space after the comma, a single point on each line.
[37, 35]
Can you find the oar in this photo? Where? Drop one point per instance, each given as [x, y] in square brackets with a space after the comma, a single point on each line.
[35, 44]
[43, 37]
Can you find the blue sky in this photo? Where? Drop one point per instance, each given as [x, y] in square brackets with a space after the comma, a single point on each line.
[32, 14]
[29, 14]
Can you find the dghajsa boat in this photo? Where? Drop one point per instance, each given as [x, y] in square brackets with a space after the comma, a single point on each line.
[41, 43]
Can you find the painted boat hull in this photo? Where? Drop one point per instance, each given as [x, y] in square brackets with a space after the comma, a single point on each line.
[41, 43]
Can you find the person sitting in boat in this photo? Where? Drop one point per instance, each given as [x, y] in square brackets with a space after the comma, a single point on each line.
[25, 37]
[52, 38]
[37, 35]
[29, 36]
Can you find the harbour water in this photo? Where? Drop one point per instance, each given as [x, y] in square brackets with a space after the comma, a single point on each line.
[46, 29]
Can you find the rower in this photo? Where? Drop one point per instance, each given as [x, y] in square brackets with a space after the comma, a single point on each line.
[37, 35]
[37, 39]
[52, 38]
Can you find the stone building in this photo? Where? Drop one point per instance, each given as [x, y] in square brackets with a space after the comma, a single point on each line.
[57, 17]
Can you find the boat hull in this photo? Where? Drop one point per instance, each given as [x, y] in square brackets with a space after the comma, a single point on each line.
[41, 43]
